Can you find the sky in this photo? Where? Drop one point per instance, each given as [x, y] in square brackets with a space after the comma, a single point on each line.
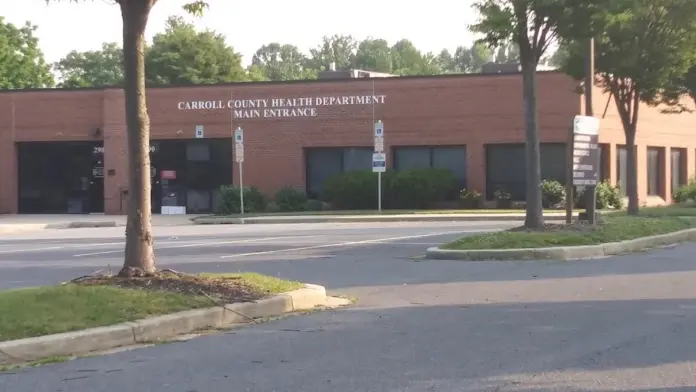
[64, 26]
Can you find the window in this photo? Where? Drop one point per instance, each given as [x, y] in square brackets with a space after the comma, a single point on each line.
[322, 163]
[678, 168]
[655, 171]
[452, 158]
[621, 165]
[506, 167]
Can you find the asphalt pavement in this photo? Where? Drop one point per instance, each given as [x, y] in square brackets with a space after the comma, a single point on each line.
[615, 324]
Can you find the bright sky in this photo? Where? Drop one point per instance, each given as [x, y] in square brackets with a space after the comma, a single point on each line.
[64, 26]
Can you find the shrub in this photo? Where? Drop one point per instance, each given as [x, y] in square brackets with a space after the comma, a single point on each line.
[419, 188]
[229, 200]
[470, 199]
[608, 196]
[272, 207]
[290, 199]
[355, 190]
[686, 193]
[313, 205]
[503, 198]
[409, 189]
[552, 193]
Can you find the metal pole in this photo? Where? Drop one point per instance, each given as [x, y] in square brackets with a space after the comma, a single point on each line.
[591, 201]
[569, 178]
[241, 188]
[379, 174]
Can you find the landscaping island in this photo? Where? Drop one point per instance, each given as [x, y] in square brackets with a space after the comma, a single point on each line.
[615, 233]
[96, 301]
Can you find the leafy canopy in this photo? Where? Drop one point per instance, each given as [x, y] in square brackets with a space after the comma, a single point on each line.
[533, 25]
[22, 63]
[182, 55]
[645, 48]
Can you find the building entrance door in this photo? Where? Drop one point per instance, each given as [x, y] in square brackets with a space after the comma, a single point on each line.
[96, 182]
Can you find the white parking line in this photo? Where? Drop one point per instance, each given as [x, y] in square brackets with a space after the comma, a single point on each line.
[196, 244]
[58, 247]
[339, 244]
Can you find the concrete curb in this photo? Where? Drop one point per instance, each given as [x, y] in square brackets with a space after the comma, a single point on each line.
[564, 252]
[80, 225]
[158, 328]
[368, 218]
[13, 228]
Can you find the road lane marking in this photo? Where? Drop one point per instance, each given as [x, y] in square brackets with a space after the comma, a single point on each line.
[198, 244]
[58, 247]
[349, 243]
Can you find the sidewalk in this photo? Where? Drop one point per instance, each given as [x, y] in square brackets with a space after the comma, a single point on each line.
[23, 223]
[343, 218]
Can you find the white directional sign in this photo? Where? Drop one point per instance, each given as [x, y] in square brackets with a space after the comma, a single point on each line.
[239, 145]
[585, 151]
[379, 162]
[379, 136]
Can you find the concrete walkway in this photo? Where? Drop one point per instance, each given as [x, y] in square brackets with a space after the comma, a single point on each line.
[23, 223]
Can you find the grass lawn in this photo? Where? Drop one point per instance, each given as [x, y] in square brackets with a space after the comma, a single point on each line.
[106, 301]
[615, 228]
[392, 212]
[670, 210]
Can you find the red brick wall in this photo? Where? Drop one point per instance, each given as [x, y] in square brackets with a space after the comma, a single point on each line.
[470, 109]
[655, 129]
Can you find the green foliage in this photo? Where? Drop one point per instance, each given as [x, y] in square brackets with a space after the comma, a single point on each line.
[470, 199]
[290, 199]
[644, 47]
[608, 196]
[409, 189]
[254, 200]
[418, 188]
[22, 63]
[314, 205]
[183, 55]
[552, 193]
[686, 193]
[281, 62]
[272, 207]
[94, 68]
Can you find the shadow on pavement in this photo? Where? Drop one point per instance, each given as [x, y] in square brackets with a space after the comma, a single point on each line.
[582, 346]
[366, 266]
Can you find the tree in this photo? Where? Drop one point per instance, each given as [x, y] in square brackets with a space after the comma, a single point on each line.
[282, 62]
[139, 252]
[338, 50]
[22, 63]
[528, 24]
[94, 68]
[374, 55]
[642, 48]
[471, 59]
[531, 25]
[182, 55]
[408, 60]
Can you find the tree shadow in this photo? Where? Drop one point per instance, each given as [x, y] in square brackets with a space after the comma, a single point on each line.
[581, 346]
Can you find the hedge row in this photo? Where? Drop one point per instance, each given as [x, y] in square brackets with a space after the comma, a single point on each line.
[409, 189]
[287, 199]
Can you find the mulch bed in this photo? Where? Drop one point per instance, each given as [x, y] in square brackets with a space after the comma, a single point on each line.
[222, 290]
[559, 227]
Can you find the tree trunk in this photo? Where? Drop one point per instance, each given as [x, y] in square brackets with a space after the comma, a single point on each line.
[534, 216]
[631, 170]
[139, 254]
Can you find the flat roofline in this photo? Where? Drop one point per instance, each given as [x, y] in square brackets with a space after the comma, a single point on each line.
[286, 82]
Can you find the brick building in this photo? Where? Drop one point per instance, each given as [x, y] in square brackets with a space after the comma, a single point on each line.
[64, 150]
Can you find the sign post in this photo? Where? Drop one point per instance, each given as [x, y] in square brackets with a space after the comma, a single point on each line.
[379, 160]
[239, 157]
[584, 164]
